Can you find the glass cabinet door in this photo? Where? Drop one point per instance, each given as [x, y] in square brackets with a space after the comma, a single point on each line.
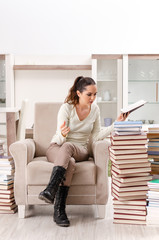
[143, 80]
[2, 82]
[107, 72]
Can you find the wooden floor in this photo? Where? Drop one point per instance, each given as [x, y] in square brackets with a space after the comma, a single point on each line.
[39, 225]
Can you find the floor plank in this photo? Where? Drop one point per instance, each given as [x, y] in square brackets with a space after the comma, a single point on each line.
[39, 224]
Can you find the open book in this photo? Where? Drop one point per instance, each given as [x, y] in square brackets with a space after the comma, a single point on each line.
[133, 107]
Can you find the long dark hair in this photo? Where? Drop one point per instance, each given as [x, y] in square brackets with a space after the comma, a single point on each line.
[80, 84]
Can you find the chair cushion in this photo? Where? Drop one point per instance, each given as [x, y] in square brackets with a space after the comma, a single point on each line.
[39, 171]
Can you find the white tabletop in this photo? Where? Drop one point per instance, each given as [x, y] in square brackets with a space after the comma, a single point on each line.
[9, 109]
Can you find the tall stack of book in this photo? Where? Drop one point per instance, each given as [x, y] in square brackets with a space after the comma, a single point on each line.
[153, 193]
[130, 172]
[7, 202]
[153, 148]
[153, 202]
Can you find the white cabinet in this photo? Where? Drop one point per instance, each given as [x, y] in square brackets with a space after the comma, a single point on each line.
[107, 72]
[6, 81]
[143, 80]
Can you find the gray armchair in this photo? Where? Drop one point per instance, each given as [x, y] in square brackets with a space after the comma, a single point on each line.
[32, 170]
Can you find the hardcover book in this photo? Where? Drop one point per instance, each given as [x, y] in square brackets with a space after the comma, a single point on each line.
[128, 221]
[129, 175]
[141, 136]
[130, 211]
[131, 207]
[133, 107]
[130, 188]
[133, 202]
[129, 184]
[137, 165]
[128, 142]
[127, 151]
[131, 170]
[133, 179]
[129, 156]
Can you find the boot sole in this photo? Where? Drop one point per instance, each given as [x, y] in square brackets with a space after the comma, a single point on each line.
[44, 199]
[62, 225]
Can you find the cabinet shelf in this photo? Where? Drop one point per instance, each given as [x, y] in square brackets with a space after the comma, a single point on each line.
[144, 81]
[106, 101]
[146, 103]
[107, 80]
[52, 67]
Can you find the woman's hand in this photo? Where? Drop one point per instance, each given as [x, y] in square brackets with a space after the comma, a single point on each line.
[64, 129]
[122, 117]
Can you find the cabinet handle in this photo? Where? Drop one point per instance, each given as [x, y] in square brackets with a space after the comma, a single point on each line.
[156, 92]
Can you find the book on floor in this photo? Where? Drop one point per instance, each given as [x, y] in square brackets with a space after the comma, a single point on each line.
[6, 191]
[130, 211]
[142, 136]
[6, 182]
[128, 142]
[126, 161]
[6, 158]
[125, 147]
[131, 170]
[131, 207]
[129, 188]
[7, 207]
[6, 187]
[129, 216]
[6, 195]
[131, 202]
[129, 221]
[153, 144]
[127, 151]
[129, 156]
[7, 200]
[152, 135]
[120, 184]
[9, 211]
[127, 123]
[126, 198]
[153, 149]
[129, 175]
[132, 165]
[125, 133]
[135, 179]
[127, 129]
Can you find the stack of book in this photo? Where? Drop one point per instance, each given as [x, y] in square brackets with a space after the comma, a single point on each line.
[153, 202]
[153, 148]
[128, 128]
[7, 202]
[1, 147]
[130, 173]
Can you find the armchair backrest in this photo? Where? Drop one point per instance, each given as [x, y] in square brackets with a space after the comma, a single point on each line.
[45, 124]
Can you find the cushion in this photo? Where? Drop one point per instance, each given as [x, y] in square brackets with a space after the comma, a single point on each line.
[39, 171]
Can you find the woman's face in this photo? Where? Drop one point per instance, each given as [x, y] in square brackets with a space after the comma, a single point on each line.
[88, 95]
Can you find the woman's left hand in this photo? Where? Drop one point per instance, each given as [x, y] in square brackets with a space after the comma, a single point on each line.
[122, 117]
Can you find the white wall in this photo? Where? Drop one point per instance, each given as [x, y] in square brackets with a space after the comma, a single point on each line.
[45, 86]
[72, 27]
[79, 26]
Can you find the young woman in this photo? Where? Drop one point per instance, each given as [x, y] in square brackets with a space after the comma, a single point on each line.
[78, 119]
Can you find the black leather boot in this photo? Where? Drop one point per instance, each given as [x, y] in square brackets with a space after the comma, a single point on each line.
[60, 216]
[56, 178]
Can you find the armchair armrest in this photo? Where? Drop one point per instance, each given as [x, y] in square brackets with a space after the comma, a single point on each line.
[22, 153]
[101, 158]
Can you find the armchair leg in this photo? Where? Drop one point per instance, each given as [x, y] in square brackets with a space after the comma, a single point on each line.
[101, 211]
[21, 211]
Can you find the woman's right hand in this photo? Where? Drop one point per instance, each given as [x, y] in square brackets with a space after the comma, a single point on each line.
[64, 129]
